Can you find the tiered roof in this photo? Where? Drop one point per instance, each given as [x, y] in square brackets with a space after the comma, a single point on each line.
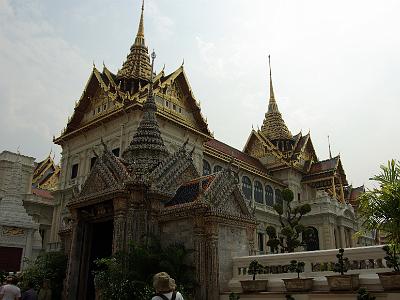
[46, 174]
[326, 170]
[220, 150]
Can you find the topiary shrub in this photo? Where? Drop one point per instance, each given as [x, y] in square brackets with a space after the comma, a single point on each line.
[292, 229]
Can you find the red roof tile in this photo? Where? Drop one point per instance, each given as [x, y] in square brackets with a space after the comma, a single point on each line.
[324, 165]
[237, 154]
[355, 193]
[42, 193]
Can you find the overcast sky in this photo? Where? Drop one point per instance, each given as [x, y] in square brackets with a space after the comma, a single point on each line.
[336, 67]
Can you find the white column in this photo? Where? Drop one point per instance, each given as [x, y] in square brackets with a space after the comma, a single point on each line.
[351, 233]
[28, 245]
[342, 237]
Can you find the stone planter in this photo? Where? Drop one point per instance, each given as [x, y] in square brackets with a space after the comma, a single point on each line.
[343, 282]
[390, 280]
[251, 286]
[298, 284]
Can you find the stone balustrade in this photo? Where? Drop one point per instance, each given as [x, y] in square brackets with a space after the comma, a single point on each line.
[366, 261]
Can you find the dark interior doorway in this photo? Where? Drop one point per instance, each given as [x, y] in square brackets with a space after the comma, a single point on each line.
[311, 239]
[101, 247]
[10, 259]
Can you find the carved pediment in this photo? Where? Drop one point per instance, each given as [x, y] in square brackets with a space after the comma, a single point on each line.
[108, 174]
[179, 102]
[225, 196]
[255, 148]
[176, 169]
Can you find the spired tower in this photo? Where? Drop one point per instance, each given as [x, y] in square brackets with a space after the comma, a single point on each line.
[274, 127]
[147, 149]
[137, 64]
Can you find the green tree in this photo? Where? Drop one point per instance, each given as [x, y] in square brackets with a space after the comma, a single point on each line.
[292, 229]
[128, 275]
[51, 266]
[379, 208]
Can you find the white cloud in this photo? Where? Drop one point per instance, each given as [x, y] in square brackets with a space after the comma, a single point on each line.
[38, 70]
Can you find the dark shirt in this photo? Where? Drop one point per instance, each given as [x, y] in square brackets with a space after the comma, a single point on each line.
[29, 295]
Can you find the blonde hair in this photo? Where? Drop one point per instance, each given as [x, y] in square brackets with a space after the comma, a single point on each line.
[163, 283]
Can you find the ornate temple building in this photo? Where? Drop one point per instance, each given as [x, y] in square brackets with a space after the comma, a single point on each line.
[138, 158]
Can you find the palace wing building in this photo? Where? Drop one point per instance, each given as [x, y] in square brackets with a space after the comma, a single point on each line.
[138, 158]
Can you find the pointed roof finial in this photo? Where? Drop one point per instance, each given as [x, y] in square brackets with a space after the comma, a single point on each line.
[140, 34]
[272, 106]
[271, 88]
[329, 145]
[274, 126]
[137, 63]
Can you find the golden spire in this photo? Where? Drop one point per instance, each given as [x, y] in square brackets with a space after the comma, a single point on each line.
[140, 34]
[274, 127]
[272, 106]
[137, 64]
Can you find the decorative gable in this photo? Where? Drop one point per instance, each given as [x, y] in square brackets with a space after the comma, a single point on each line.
[177, 100]
[225, 196]
[107, 175]
[255, 147]
[173, 172]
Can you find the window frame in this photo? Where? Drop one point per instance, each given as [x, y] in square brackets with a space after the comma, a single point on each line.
[247, 189]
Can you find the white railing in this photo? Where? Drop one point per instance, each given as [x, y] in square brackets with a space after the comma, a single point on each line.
[366, 261]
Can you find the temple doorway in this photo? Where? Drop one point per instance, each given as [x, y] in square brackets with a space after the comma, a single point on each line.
[101, 246]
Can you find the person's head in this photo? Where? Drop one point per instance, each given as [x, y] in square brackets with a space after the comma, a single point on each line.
[11, 280]
[163, 283]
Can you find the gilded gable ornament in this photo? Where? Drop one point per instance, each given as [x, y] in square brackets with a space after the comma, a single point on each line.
[13, 231]
[257, 150]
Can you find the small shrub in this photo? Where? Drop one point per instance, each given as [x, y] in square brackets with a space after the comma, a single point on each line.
[342, 265]
[234, 296]
[296, 266]
[362, 294]
[255, 268]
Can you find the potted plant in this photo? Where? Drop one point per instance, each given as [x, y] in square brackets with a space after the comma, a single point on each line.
[342, 282]
[362, 294]
[391, 280]
[298, 284]
[254, 285]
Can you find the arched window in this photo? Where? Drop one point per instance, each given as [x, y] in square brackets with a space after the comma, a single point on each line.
[278, 197]
[247, 187]
[258, 192]
[206, 167]
[269, 195]
[310, 238]
[217, 168]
